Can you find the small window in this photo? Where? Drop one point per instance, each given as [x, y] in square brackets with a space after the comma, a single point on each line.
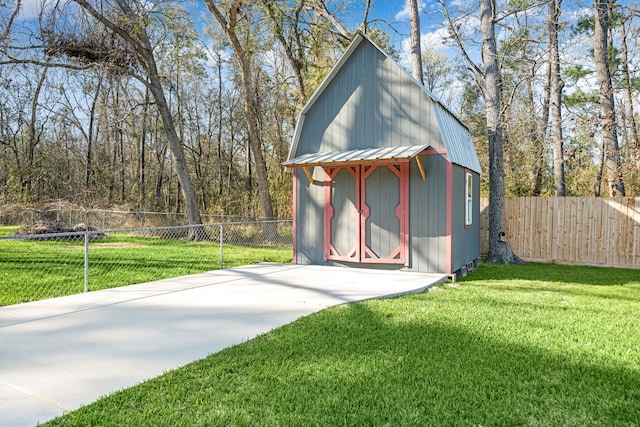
[468, 198]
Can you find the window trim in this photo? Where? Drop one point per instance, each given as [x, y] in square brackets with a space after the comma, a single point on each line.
[468, 199]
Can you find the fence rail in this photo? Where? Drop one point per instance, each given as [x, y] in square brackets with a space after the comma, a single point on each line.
[570, 230]
[39, 266]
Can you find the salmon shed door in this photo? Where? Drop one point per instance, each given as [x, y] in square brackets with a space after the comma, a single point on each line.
[366, 216]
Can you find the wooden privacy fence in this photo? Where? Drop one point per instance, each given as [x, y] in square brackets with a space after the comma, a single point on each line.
[570, 230]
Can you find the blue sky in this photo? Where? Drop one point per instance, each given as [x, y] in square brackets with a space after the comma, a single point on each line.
[388, 15]
[391, 16]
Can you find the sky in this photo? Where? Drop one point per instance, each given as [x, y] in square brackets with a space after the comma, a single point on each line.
[389, 15]
[392, 17]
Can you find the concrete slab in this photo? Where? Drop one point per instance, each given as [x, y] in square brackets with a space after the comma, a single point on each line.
[58, 354]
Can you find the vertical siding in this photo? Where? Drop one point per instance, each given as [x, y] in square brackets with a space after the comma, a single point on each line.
[465, 241]
[371, 102]
[309, 218]
[427, 216]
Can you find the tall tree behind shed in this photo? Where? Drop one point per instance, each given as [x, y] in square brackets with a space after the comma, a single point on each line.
[488, 81]
[499, 251]
[609, 133]
[556, 85]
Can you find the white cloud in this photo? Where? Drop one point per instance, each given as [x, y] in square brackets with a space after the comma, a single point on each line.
[574, 15]
[435, 40]
[30, 8]
[403, 15]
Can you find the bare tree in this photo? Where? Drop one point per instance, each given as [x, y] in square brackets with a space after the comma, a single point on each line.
[321, 8]
[131, 26]
[292, 45]
[626, 84]
[608, 132]
[229, 24]
[8, 19]
[538, 164]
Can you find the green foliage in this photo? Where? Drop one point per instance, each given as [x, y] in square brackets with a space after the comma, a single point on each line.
[517, 345]
[584, 25]
[578, 97]
[575, 73]
[518, 4]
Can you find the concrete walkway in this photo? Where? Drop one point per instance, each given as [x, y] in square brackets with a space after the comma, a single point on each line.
[58, 354]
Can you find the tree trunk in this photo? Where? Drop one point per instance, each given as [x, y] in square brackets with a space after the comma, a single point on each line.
[607, 104]
[175, 145]
[540, 131]
[219, 130]
[143, 152]
[250, 103]
[499, 251]
[91, 136]
[556, 98]
[598, 186]
[34, 137]
[365, 16]
[627, 94]
[416, 49]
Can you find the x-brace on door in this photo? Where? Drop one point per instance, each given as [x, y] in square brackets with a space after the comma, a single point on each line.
[366, 216]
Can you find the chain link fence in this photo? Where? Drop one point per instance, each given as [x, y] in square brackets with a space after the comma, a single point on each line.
[46, 265]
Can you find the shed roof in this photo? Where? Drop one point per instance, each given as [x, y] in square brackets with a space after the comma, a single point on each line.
[357, 156]
[455, 135]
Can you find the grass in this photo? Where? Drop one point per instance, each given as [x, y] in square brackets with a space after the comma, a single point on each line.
[519, 345]
[33, 270]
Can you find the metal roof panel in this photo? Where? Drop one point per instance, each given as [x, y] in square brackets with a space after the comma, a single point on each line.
[357, 156]
[457, 140]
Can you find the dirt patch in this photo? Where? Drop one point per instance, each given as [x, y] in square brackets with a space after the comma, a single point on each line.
[118, 245]
[43, 230]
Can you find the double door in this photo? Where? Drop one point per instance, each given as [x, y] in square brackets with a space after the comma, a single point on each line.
[366, 216]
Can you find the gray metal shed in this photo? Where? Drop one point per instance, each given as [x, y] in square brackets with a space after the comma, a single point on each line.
[385, 176]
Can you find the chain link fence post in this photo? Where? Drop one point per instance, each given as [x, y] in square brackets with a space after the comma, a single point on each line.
[86, 261]
[221, 249]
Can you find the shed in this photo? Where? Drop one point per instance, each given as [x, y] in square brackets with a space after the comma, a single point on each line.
[384, 175]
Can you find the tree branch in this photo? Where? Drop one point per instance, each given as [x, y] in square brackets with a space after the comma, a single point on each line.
[321, 8]
[15, 13]
[122, 32]
[476, 71]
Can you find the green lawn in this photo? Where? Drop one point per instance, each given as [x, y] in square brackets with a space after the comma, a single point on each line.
[534, 345]
[32, 270]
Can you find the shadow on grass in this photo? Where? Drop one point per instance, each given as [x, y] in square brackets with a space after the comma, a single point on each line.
[385, 363]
